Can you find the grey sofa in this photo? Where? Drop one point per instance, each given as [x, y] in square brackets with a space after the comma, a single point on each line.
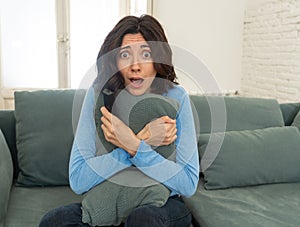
[36, 139]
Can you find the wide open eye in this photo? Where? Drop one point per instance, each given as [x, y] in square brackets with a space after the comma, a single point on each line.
[124, 54]
[146, 54]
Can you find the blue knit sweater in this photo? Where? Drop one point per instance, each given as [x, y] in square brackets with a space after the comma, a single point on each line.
[87, 169]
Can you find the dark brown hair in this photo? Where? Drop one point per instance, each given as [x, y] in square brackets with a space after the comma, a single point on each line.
[153, 33]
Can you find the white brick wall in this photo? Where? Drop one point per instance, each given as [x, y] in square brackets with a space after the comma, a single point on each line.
[271, 51]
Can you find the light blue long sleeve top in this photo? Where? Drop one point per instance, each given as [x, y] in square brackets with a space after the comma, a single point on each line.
[86, 169]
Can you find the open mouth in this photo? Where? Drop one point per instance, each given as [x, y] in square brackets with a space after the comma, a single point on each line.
[136, 82]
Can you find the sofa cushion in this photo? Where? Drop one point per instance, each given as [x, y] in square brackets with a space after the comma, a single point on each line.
[236, 113]
[110, 203]
[6, 170]
[44, 136]
[253, 157]
[136, 112]
[263, 205]
[296, 121]
[29, 204]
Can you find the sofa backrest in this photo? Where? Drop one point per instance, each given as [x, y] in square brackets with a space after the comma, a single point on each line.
[240, 114]
[289, 112]
[8, 128]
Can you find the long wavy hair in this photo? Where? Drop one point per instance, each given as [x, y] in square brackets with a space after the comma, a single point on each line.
[108, 75]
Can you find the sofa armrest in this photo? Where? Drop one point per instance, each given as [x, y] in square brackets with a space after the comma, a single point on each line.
[6, 173]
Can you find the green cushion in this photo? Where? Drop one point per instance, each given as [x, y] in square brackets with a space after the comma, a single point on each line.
[110, 203]
[296, 121]
[6, 170]
[263, 205]
[137, 111]
[44, 136]
[28, 205]
[237, 112]
[253, 157]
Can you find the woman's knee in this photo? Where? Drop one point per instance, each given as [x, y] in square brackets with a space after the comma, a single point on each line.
[173, 214]
[62, 216]
[145, 216]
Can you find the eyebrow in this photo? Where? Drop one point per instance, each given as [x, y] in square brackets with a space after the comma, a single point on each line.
[129, 47]
[145, 46]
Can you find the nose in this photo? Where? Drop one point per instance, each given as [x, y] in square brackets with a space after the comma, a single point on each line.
[135, 67]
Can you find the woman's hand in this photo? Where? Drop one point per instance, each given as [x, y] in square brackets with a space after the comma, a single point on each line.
[159, 132]
[117, 133]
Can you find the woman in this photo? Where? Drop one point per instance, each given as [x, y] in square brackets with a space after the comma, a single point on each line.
[140, 61]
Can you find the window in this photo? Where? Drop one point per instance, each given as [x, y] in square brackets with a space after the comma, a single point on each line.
[28, 43]
[138, 7]
[89, 24]
[53, 43]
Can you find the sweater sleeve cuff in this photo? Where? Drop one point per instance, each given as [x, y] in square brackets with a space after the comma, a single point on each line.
[144, 156]
[121, 156]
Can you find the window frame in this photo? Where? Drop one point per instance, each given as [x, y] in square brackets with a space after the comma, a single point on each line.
[63, 49]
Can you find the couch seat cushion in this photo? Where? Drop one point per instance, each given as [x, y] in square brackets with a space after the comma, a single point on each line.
[28, 205]
[264, 205]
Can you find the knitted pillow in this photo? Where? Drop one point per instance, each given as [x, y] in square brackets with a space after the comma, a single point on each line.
[136, 112]
[110, 203]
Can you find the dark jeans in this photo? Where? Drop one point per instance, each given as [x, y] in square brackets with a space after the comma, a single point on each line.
[173, 214]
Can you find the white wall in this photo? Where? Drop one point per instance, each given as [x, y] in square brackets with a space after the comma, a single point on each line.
[211, 30]
[271, 55]
[253, 4]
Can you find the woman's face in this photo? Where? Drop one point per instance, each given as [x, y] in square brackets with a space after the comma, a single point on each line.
[135, 64]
